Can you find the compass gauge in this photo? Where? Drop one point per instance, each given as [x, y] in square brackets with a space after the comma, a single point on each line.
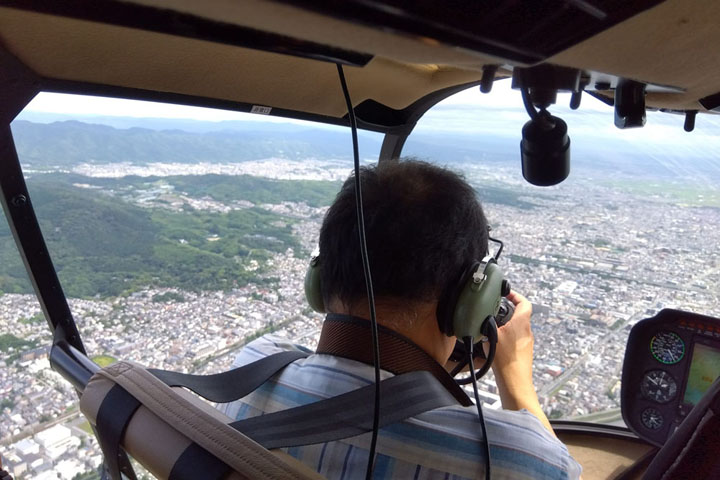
[651, 418]
[667, 348]
[658, 386]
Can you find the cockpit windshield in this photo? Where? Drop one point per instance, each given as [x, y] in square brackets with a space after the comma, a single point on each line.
[180, 234]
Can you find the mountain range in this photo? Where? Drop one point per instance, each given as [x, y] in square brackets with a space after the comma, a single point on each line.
[64, 144]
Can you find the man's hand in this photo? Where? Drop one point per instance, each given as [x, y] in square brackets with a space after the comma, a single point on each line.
[513, 362]
[514, 355]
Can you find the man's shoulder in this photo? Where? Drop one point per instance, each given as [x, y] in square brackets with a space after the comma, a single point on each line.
[519, 442]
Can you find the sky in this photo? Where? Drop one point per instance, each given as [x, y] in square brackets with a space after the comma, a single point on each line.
[502, 96]
[498, 113]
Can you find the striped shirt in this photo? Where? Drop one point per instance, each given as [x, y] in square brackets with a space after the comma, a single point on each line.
[445, 443]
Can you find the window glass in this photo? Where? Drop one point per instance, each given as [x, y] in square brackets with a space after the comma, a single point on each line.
[178, 234]
[633, 230]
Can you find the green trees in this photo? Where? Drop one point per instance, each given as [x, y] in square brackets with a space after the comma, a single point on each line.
[10, 342]
[102, 245]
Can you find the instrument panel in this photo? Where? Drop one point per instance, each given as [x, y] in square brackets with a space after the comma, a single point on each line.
[670, 361]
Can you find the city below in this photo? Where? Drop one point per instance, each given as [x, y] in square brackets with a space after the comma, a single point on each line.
[593, 258]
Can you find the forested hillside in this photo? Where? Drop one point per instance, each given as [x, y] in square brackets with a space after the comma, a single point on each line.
[103, 245]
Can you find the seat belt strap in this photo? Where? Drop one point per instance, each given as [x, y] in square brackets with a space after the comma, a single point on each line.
[234, 384]
[196, 462]
[190, 418]
[113, 417]
[350, 414]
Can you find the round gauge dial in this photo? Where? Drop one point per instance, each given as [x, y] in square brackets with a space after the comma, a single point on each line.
[651, 418]
[667, 347]
[658, 386]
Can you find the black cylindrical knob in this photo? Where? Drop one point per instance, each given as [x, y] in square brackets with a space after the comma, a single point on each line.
[689, 125]
[575, 100]
[545, 150]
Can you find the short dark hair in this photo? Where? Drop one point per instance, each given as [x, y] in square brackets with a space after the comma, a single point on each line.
[423, 223]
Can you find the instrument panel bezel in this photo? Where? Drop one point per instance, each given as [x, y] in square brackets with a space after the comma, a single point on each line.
[692, 328]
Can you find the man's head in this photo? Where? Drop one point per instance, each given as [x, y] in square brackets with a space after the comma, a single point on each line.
[423, 225]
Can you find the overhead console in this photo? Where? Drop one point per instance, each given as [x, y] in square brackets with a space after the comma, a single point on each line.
[528, 32]
[670, 362]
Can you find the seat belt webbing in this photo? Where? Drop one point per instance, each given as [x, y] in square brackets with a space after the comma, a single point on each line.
[402, 396]
[348, 415]
[234, 384]
[196, 462]
[116, 410]
[191, 420]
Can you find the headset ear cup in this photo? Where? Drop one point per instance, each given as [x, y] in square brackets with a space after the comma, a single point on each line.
[448, 300]
[478, 300]
[313, 287]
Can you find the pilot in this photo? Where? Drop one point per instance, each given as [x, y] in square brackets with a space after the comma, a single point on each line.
[424, 225]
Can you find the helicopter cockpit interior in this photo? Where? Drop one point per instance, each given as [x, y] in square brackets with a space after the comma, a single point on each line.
[399, 59]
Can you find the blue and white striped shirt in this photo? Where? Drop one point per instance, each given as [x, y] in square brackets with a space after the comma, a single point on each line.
[445, 443]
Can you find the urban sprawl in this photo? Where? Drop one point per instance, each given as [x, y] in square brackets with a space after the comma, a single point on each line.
[593, 261]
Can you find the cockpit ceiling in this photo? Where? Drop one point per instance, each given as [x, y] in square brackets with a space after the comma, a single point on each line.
[672, 44]
[82, 51]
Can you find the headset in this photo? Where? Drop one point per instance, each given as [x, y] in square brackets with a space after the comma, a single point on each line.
[466, 309]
